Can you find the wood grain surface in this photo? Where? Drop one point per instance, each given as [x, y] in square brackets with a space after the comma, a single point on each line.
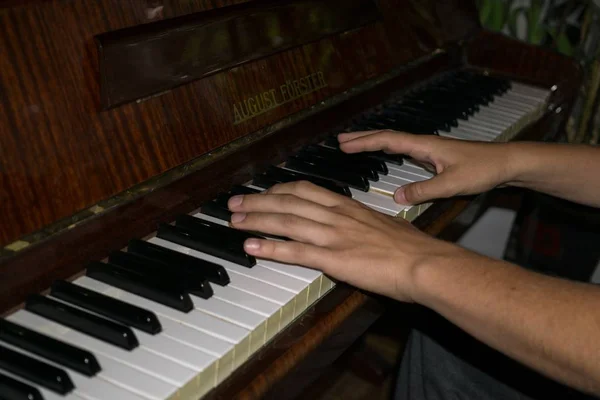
[60, 153]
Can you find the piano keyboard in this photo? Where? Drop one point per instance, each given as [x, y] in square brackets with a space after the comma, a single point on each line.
[176, 314]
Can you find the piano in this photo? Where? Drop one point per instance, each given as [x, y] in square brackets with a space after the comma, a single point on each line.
[126, 125]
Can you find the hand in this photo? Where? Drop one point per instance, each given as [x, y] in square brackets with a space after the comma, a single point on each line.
[335, 234]
[462, 167]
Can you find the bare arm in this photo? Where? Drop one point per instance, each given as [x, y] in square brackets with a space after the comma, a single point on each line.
[549, 324]
[567, 171]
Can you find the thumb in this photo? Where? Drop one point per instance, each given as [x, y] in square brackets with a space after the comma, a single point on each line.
[438, 187]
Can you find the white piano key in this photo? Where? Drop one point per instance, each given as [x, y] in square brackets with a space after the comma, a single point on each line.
[209, 324]
[377, 200]
[493, 125]
[494, 110]
[245, 300]
[411, 167]
[480, 127]
[87, 387]
[253, 322]
[270, 310]
[497, 119]
[176, 351]
[211, 219]
[380, 209]
[398, 173]
[204, 364]
[469, 133]
[139, 358]
[223, 352]
[229, 312]
[217, 333]
[114, 371]
[296, 286]
[243, 281]
[257, 272]
[285, 298]
[195, 338]
[394, 181]
[308, 275]
[182, 354]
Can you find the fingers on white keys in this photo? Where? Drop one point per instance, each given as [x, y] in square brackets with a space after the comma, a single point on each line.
[289, 252]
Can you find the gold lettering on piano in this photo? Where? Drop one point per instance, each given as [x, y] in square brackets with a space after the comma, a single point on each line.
[291, 90]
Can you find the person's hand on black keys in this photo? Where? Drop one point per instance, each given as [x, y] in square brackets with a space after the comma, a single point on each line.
[341, 237]
[462, 167]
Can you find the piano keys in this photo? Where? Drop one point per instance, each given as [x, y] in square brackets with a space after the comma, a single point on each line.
[242, 303]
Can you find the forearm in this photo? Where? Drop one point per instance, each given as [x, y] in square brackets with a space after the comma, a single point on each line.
[549, 324]
[571, 172]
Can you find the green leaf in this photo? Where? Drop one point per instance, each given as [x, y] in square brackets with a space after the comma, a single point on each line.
[499, 15]
[536, 31]
[485, 12]
[564, 46]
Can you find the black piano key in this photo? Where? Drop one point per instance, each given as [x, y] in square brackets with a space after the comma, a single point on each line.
[355, 181]
[339, 164]
[193, 281]
[46, 375]
[12, 389]
[229, 248]
[210, 228]
[54, 350]
[141, 285]
[396, 159]
[216, 210]
[222, 199]
[109, 307]
[90, 324]
[214, 273]
[267, 180]
[275, 174]
[239, 189]
[410, 112]
[263, 181]
[360, 158]
[371, 123]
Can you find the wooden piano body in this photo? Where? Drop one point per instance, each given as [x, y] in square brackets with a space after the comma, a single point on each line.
[99, 144]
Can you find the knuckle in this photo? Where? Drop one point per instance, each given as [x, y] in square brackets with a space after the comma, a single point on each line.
[289, 221]
[268, 249]
[303, 185]
[287, 200]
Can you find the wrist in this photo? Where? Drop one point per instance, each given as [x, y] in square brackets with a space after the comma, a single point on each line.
[521, 163]
[433, 269]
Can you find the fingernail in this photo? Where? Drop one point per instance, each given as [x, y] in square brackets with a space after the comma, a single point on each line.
[400, 196]
[235, 201]
[252, 244]
[238, 217]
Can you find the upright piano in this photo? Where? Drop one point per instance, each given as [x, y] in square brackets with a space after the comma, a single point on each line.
[125, 125]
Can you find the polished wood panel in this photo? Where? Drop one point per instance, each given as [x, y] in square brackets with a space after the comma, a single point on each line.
[61, 153]
[35, 269]
[527, 63]
[147, 59]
